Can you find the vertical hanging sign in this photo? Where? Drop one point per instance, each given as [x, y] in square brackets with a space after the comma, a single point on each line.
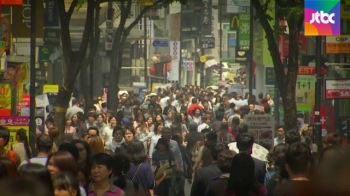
[244, 31]
[173, 73]
[205, 20]
[50, 13]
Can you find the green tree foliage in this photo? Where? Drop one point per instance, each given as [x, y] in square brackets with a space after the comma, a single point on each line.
[292, 11]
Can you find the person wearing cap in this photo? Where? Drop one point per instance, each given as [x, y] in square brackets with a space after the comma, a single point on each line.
[125, 122]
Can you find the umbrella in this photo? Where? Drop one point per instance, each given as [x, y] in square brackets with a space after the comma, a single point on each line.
[259, 152]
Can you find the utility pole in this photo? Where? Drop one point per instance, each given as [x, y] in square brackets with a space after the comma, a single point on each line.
[145, 49]
[32, 123]
[276, 112]
[220, 38]
[251, 40]
[317, 133]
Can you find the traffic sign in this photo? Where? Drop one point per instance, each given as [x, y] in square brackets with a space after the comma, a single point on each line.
[160, 43]
[261, 126]
[203, 59]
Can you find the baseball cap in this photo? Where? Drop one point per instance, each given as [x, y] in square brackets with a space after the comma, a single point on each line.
[125, 121]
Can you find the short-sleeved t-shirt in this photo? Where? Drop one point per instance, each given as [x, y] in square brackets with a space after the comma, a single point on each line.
[162, 159]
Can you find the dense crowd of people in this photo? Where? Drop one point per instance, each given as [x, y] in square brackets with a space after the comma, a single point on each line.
[154, 143]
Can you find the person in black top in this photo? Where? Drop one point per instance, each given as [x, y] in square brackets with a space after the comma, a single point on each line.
[245, 143]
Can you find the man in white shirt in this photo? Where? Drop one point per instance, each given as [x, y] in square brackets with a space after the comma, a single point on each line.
[164, 101]
[205, 124]
[280, 139]
[43, 146]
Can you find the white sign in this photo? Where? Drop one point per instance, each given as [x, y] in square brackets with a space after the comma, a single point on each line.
[108, 45]
[231, 6]
[175, 8]
[262, 127]
[173, 74]
[337, 39]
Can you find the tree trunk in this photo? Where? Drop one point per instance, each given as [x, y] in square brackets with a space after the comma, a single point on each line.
[85, 88]
[113, 81]
[288, 90]
[286, 83]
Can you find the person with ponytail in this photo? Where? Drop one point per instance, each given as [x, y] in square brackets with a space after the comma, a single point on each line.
[22, 147]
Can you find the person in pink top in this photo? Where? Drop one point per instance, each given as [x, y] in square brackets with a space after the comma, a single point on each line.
[69, 128]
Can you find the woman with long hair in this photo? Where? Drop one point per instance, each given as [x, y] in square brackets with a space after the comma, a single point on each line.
[161, 157]
[178, 126]
[140, 171]
[84, 154]
[22, 147]
[96, 144]
[223, 135]
[274, 160]
[11, 168]
[68, 126]
[140, 127]
[121, 167]
[154, 137]
[242, 181]
[61, 162]
[170, 118]
[38, 171]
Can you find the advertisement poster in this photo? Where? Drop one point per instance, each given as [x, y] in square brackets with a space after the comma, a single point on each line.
[14, 123]
[305, 89]
[262, 127]
[5, 96]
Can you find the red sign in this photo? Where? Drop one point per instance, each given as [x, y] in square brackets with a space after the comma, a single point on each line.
[338, 94]
[309, 70]
[337, 89]
[324, 120]
[11, 2]
[25, 102]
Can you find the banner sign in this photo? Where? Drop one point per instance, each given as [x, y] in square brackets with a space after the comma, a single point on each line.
[244, 32]
[21, 19]
[205, 19]
[337, 89]
[337, 44]
[50, 13]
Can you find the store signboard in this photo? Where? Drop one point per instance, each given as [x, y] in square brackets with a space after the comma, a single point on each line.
[337, 88]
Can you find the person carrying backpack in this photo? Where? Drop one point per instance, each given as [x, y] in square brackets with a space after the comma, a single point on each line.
[4, 139]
